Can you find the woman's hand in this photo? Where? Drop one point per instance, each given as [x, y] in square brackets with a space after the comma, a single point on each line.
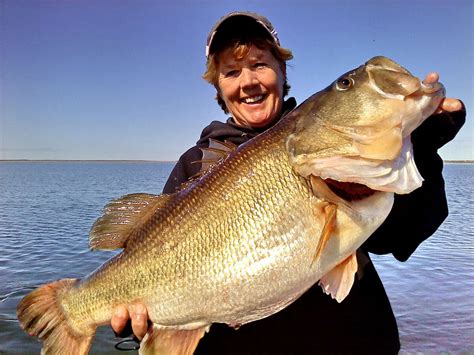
[138, 315]
[450, 105]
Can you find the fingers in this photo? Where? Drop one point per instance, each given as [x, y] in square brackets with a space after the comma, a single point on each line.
[139, 316]
[450, 105]
[431, 78]
[137, 313]
[119, 319]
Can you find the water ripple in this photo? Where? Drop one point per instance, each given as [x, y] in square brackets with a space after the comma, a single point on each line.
[46, 210]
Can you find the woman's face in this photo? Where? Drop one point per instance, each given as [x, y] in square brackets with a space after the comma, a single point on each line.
[251, 87]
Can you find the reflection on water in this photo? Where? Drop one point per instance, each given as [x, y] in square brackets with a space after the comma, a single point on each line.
[432, 294]
[46, 210]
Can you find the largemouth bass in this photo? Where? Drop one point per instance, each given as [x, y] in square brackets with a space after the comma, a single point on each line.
[281, 212]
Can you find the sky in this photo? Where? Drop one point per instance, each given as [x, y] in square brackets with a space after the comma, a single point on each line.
[122, 79]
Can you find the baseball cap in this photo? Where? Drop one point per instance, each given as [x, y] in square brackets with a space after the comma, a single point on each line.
[239, 22]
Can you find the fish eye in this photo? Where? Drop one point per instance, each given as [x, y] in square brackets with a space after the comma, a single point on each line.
[345, 83]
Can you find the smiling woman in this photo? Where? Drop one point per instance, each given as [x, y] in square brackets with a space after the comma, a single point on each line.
[251, 87]
[247, 66]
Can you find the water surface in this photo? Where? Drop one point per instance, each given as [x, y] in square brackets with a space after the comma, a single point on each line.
[47, 208]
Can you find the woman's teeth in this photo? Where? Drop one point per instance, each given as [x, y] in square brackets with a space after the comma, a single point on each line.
[252, 99]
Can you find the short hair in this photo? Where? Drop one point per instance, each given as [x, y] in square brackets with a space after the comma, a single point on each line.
[241, 47]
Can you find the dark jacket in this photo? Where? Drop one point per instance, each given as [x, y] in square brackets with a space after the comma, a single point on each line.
[364, 321]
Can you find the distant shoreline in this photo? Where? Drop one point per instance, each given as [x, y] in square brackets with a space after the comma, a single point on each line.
[141, 161]
[458, 161]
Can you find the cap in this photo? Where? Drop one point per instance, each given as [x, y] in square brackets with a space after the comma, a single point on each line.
[235, 22]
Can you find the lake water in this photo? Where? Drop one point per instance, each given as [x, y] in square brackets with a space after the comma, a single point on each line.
[47, 208]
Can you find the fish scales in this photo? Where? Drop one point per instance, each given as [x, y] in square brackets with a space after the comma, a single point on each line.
[236, 241]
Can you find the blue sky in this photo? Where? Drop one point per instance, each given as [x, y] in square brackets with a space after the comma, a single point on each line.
[115, 79]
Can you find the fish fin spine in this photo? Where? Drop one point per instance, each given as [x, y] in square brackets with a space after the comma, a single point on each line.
[121, 217]
[211, 156]
[171, 341]
[40, 314]
[338, 282]
[330, 212]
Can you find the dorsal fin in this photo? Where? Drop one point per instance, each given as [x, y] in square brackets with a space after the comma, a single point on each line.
[216, 151]
[120, 217]
[211, 155]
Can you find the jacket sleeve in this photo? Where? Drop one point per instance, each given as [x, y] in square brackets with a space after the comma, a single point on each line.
[187, 166]
[416, 216]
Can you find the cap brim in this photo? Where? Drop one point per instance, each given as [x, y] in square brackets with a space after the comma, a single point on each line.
[238, 22]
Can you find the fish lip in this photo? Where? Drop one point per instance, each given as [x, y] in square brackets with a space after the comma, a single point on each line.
[435, 89]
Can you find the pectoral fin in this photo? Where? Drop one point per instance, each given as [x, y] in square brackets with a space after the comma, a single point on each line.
[338, 281]
[171, 341]
[330, 211]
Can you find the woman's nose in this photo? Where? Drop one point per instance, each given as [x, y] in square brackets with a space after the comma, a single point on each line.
[248, 78]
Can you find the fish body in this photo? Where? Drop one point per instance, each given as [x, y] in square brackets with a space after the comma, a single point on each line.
[264, 224]
[256, 246]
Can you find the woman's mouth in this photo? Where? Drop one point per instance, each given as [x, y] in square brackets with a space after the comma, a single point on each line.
[253, 99]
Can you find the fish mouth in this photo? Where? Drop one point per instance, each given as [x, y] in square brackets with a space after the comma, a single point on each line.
[434, 89]
[420, 88]
[394, 81]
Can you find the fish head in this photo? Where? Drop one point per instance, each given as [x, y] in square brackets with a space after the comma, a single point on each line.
[384, 95]
[358, 129]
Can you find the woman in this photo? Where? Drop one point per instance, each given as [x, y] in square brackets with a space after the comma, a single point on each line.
[247, 66]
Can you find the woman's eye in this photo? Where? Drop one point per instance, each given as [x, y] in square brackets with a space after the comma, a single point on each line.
[260, 65]
[231, 73]
[345, 83]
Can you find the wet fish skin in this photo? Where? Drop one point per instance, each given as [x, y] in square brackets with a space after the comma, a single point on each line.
[246, 204]
[240, 243]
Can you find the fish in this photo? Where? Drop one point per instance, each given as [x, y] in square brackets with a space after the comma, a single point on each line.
[263, 223]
